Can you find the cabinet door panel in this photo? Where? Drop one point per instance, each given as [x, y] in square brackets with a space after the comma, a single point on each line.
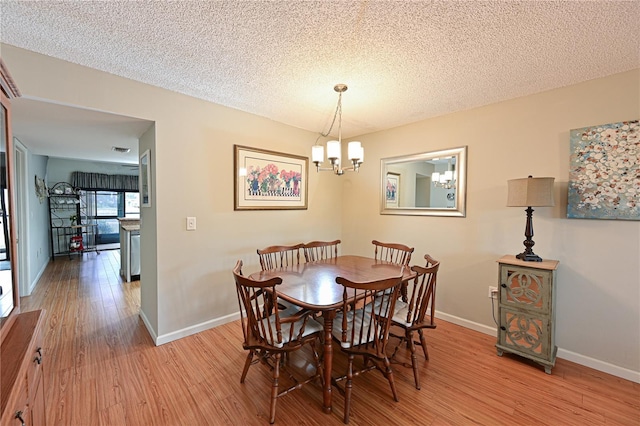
[524, 333]
[523, 288]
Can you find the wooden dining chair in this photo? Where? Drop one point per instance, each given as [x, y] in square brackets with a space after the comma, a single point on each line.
[274, 257]
[269, 335]
[365, 331]
[418, 312]
[392, 252]
[320, 250]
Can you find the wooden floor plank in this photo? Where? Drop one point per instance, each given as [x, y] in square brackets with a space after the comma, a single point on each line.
[102, 368]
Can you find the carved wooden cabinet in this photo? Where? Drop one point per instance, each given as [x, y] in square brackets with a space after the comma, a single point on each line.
[526, 309]
[22, 397]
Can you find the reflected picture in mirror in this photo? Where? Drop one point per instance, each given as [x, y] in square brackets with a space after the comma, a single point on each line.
[392, 186]
[430, 183]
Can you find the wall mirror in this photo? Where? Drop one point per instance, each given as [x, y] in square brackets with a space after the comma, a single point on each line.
[428, 184]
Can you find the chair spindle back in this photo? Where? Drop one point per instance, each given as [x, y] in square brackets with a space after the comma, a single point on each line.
[392, 252]
[320, 250]
[274, 257]
[422, 293]
[366, 330]
[261, 325]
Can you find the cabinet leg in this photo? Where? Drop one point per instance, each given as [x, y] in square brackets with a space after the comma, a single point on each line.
[499, 352]
[547, 369]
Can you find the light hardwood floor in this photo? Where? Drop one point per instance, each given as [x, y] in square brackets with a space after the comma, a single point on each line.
[102, 368]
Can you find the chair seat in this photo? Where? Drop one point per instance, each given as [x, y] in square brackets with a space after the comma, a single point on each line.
[310, 328]
[380, 300]
[400, 314]
[358, 323]
[288, 308]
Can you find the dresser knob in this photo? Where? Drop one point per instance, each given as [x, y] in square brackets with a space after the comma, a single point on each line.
[503, 328]
[503, 285]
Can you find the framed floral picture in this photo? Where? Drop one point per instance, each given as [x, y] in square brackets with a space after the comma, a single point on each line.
[604, 174]
[392, 189]
[268, 180]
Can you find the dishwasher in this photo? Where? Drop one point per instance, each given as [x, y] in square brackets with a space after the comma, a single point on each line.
[134, 253]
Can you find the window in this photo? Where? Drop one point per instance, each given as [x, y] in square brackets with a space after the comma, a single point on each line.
[105, 207]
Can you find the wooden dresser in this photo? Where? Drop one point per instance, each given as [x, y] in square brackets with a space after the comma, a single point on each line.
[526, 309]
[21, 358]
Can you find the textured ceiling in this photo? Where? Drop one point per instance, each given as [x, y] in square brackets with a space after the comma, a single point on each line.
[403, 61]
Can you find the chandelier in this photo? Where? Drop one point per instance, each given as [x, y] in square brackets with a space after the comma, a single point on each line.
[355, 152]
[444, 180]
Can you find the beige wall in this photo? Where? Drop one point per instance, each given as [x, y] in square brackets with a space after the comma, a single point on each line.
[188, 286]
[598, 304]
[186, 279]
[149, 298]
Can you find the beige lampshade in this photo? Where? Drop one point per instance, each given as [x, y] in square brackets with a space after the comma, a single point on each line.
[530, 192]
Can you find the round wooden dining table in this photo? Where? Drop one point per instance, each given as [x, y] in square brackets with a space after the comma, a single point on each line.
[313, 286]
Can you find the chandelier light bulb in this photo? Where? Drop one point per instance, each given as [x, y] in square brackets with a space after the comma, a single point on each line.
[333, 150]
[354, 150]
[317, 154]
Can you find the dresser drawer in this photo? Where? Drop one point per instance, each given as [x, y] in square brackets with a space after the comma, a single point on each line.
[34, 371]
[18, 403]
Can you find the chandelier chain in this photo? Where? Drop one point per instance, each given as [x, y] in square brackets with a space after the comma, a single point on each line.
[333, 122]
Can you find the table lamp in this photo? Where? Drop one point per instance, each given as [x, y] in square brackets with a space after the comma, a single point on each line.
[530, 192]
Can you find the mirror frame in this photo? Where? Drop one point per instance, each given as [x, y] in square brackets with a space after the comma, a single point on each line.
[460, 209]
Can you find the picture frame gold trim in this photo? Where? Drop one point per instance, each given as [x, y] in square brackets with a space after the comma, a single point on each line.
[269, 180]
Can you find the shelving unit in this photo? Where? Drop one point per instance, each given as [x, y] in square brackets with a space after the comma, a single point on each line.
[71, 232]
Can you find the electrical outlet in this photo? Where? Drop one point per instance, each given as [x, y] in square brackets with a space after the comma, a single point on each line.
[493, 292]
[191, 223]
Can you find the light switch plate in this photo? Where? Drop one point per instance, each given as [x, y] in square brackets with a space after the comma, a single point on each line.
[191, 223]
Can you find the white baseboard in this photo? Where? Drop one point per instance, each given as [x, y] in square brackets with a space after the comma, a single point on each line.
[596, 364]
[169, 337]
[150, 329]
[33, 284]
[467, 324]
[599, 365]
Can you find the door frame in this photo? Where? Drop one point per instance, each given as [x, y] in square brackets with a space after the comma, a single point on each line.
[22, 207]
